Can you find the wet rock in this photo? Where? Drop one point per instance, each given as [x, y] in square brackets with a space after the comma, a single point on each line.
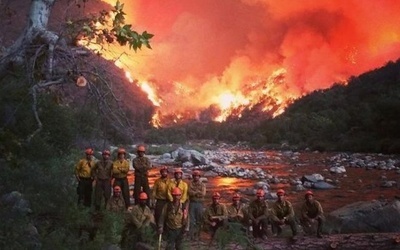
[323, 185]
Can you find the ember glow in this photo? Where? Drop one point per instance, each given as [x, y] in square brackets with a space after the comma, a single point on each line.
[233, 55]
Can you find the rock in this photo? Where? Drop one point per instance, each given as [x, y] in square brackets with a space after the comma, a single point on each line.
[16, 201]
[312, 178]
[372, 216]
[187, 164]
[166, 156]
[323, 185]
[338, 170]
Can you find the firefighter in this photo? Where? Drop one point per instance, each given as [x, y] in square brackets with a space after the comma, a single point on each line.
[216, 214]
[160, 193]
[236, 210]
[178, 182]
[311, 211]
[116, 203]
[258, 215]
[282, 213]
[120, 174]
[102, 173]
[139, 224]
[175, 219]
[84, 177]
[142, 165]
[197, 192]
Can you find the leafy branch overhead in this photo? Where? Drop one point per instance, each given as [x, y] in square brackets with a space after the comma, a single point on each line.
[111, 27]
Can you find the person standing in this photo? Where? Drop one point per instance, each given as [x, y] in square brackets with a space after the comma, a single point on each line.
[160, 193]
[174, 218]
[142, 165]
[311, 211]
[116, 203]
[178, 182]
[216, 215]
[197, 192]
[120, 174]
[282, 213]
[83, 174]
[138, 224]
[258, 215]
[102, 173]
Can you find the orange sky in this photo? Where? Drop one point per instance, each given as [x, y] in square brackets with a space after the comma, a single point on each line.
[203, 48]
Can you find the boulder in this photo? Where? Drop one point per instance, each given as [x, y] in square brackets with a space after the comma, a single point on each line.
[323, 185]
[369, 217]
[312, 178]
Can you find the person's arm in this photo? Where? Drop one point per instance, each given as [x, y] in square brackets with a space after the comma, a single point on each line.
[290, 210]
[264, 214]
[125, 167]
[203, 190]
[93, 171]
[320, 210]
[133, 218]
[169, 192]
[162, 219]
[273, 215]
[77, 169]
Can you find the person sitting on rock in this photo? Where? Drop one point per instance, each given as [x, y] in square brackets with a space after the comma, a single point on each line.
[116, 203]
[282, 213]
[216, 214]
[236, 210]
[258, 215]
[311, 211]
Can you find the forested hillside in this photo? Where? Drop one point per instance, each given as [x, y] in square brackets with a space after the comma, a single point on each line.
[360, 116]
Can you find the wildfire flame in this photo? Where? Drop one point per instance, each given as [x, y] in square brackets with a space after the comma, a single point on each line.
[286, 50]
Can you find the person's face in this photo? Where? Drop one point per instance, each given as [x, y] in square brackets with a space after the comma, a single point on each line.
[164, 173]
[88, 157]
[176, 197]
[140, 153]
[117, 193]
[106, 156]
[142, 202]
[309, 198]
[121, 156]
[215, 201]
[178, 176]
[236, 202]
[260, 198]
[281, 197]
[196, 178]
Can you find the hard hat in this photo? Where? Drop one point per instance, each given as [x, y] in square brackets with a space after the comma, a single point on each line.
[309, 192]
[164, 168]
[216, 195]
[117, 188]
[260, 193]
[178, 170]
[121, 151]
[141, 148]
[143, 196]
[106, 152]
[196, 172]
[236, 197]
[176, 191]
[89, 151]
[280, 191]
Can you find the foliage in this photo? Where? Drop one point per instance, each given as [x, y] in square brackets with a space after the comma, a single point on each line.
[107, 28]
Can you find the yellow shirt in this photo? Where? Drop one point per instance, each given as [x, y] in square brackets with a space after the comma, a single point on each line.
[84, 168]
[197, 191]
[160, 188]
[182, 185]
[120, 168]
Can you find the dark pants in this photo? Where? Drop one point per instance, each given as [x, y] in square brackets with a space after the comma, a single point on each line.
[196, 217]
[102, 189]
[123, 183]
[85, 191]
[305, 222]
[158, 210]
[277, 228]
[260, 228]
[217, 226]
[141, 182]
[174, 239]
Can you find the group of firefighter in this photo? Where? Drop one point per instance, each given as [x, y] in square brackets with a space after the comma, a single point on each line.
[175, 208]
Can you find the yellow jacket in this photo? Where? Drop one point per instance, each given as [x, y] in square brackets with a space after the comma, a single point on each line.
[120, 168]
[160, 189]
[84, 168]
[182, 185]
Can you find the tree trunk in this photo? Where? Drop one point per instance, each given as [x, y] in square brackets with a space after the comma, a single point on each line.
[381, 241]
[37, 26]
